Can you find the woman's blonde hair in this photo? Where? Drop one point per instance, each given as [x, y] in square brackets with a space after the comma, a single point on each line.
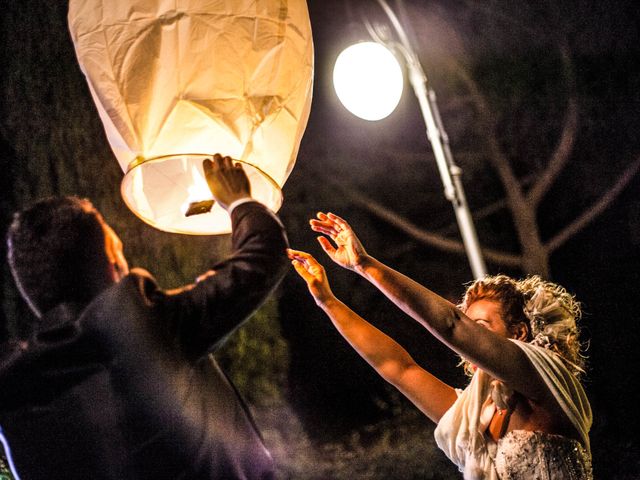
[550, 313]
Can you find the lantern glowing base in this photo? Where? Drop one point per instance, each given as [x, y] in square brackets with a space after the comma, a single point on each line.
[171, 194]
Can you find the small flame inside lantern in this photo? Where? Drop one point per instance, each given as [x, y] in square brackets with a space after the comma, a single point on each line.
[198, 195]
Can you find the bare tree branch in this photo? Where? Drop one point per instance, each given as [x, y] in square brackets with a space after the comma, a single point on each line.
[481, 214]
[596, 209]
[492, 11]
[497, 157]
[534, 256]
[563, 150]
[487, 210]
[415, 232]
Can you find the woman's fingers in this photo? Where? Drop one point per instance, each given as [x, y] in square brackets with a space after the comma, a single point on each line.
[306, 266]
[324, 219]
[324, 227]
[301, 261]
[301, 269]
[326, 246]
[298, 255]
[342, 224]
[329, 222]
[321, 227]
[306, 259]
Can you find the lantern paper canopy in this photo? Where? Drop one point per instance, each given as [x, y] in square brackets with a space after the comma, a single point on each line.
[176, 81]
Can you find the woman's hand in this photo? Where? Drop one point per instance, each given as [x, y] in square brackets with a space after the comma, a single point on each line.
[349, 253]
[313, 273]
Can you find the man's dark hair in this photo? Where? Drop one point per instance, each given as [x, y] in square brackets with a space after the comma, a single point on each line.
[56, 251]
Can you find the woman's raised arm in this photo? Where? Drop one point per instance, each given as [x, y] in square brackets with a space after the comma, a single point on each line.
[493, 353]
[386, 356]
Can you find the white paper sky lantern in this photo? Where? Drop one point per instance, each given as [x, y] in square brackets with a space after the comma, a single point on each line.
[176, 81]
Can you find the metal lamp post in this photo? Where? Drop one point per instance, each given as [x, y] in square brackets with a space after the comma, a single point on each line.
[450, 173]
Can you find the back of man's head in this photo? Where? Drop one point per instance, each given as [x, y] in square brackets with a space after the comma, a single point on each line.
[56, 251]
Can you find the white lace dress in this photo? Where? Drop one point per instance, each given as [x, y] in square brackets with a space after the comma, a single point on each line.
[522, 455]
[519, 455]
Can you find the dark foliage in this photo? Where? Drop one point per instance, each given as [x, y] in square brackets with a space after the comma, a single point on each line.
[324, 413]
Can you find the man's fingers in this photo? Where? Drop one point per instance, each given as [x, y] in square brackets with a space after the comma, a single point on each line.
[218, 164]
[227, 163]
[207, 166]
[211, 166]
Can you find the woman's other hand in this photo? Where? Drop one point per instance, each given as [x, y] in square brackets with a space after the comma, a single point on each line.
[348, 252]
[313, 273]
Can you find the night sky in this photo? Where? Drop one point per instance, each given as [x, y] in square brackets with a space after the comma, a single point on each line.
[512, 50]
[599, 264]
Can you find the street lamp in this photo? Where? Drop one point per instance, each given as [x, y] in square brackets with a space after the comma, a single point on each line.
[366, 71]
[449, 172]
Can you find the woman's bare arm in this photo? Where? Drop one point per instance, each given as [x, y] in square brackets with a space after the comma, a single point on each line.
[493, 353]
[386, 356]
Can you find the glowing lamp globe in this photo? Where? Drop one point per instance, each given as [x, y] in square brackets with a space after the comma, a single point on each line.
[175, 81]
[368, 80]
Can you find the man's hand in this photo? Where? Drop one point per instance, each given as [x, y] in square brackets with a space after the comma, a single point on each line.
[227, 181]
[313, 273]
[349, 253]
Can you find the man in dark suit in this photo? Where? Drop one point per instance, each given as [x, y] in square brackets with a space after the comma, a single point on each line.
[117, 382]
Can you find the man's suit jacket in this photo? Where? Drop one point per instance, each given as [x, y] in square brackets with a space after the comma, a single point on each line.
[123, 388]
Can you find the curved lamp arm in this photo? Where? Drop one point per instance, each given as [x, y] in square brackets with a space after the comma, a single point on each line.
[450, 173]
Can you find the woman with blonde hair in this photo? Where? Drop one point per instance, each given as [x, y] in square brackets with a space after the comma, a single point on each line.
[524, 413]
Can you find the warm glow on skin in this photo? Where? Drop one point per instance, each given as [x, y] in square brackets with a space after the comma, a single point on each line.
[114, 251]
[488, 314]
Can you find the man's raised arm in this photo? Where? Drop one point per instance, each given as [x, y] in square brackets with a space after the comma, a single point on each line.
[222, 298]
